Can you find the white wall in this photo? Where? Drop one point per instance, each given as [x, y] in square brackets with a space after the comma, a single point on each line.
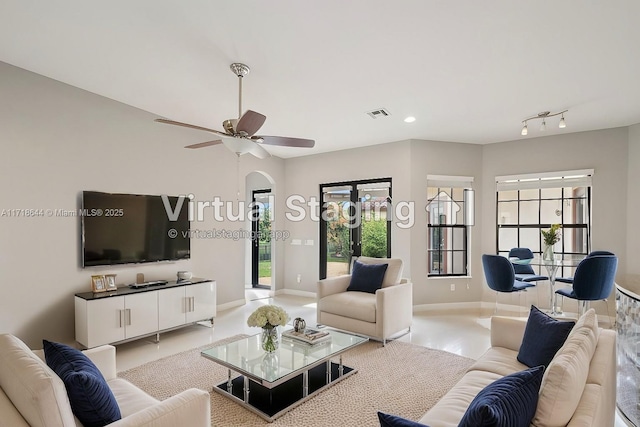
[631, 278]
[57, 141]
[443, 158]
[605, 151]
[304, 176]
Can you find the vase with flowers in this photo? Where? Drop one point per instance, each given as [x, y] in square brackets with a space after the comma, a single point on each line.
[269, 317]
[550, 237]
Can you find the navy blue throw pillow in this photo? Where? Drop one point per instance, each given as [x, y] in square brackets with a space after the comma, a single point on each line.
[543, 337]
[510, 401]
[367, 277]
[91, 398]
[388, 420]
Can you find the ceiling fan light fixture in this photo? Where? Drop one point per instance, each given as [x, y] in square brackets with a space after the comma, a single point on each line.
[238, 135]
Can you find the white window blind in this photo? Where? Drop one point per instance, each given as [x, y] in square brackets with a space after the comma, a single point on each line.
[575, 178]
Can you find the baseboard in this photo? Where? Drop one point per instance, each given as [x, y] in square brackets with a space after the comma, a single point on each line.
[448, 306]
[296, 292]
[232, 304]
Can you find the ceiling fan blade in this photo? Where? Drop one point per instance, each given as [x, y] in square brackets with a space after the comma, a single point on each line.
[286, 141]
[259, 152]
[204, 144]
[187, 125]
[250, 122]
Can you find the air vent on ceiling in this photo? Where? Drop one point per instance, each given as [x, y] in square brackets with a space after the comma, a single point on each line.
[380, 112]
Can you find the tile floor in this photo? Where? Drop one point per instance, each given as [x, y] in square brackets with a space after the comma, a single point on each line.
[463, 334]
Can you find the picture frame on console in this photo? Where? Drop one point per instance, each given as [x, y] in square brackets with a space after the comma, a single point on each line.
[110, 282]
[98, 283]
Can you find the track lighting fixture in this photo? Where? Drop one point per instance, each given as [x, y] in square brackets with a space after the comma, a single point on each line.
[544, 115]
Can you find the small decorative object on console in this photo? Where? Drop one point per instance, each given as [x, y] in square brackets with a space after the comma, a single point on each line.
[98, 283]
[110, 282]
[184, 275]
[269, 317]
[299, 325]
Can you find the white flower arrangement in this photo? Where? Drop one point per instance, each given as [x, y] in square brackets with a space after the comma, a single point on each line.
[268, 316]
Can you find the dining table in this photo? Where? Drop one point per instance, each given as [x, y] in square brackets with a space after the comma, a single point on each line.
[551, 264]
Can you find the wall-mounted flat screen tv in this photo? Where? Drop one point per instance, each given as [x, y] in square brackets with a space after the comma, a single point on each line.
[133, 228]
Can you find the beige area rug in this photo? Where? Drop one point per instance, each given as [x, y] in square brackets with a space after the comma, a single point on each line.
[401, 379]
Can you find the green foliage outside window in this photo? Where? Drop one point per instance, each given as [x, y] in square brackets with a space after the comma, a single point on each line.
[374, 238]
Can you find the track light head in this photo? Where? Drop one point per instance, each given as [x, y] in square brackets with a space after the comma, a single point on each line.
[562, 124]
[524, 129]
[543, 126]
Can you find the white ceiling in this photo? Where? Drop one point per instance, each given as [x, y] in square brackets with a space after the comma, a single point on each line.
[469, 71]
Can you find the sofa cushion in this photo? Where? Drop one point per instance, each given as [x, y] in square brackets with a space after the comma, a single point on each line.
[393, 275]
[129, 397]
[10, 415]
[499, 360]
[449, 410]
[508, 402]
[367, 277]
[33, 388]
[543, 337]
[354, 305]
[388, 420]
[91, 398]
[564, 381]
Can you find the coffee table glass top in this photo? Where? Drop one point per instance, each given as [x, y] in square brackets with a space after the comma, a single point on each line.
[247, 357]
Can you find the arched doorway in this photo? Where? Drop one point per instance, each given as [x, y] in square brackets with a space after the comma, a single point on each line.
[260, 253]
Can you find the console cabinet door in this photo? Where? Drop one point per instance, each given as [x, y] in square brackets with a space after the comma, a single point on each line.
[201, 301]
[104, 321]
[172, 305]
[141, 314]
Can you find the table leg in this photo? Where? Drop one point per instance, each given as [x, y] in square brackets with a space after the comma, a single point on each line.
[246, 389]
[305, 383]
[329, 371]
[340, 367]
[552, 270]
[229, 384]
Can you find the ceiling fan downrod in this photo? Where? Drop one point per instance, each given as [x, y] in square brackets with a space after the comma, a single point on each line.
[239, 70]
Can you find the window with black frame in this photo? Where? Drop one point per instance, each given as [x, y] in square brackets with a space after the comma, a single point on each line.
[447, 232]
[529, 204]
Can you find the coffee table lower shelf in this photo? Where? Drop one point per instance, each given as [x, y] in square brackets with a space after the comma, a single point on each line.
[272, 403]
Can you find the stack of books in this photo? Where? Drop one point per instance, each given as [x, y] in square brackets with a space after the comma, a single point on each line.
[309, 336]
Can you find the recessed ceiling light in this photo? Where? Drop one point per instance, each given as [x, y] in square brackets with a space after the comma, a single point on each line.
[410, 119]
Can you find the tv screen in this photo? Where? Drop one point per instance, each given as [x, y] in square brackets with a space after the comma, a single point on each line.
[131, 228]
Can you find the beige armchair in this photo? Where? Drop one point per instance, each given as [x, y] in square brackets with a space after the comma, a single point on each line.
[380, 315]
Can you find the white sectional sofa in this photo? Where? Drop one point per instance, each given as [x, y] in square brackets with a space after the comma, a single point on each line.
[31, 394]
[578, 388]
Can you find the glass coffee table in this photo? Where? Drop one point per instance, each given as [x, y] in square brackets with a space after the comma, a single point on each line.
[272, 384]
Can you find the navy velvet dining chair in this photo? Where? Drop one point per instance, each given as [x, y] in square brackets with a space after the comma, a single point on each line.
[569, 280]
[593, 281]
[500, 275]
[524, 272]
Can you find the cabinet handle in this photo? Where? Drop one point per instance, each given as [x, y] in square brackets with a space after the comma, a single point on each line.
[128, 310]
[121, 317]
[193, 303]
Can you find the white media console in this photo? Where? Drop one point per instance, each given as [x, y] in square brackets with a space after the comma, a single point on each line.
[131, 313]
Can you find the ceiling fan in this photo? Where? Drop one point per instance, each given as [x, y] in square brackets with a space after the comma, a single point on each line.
[239, 134]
